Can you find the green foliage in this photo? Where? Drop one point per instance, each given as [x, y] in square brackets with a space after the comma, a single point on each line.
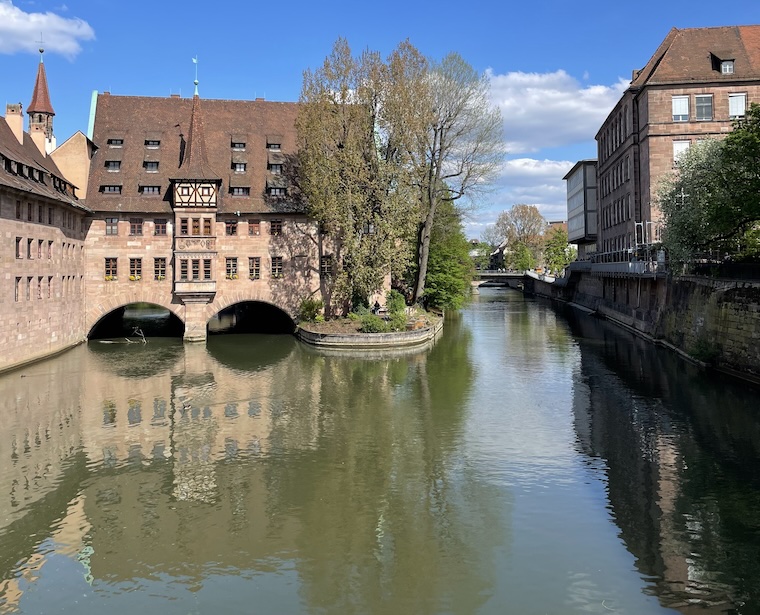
[523, 225]
[482, 258]
[309, 309]
[370, 323]
[521, 258]
[395, 302]
[713, 198]
[450, 267]
[397, 321]
[557, 254]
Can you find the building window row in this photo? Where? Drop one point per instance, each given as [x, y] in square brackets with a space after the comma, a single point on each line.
[703, 107]
[43, 214]
[232, 272]
[135, 226]
[41, 287]
[616, 176]
[615, 133]
[618, 211]
[42, 248]
[111, 269]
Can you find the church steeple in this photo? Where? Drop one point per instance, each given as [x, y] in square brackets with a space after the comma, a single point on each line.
[40, 112]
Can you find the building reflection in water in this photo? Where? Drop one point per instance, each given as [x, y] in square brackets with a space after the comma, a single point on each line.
[680, 451]
[184, 462]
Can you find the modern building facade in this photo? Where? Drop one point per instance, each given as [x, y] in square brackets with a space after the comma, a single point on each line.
[581, 207]
[695, 85]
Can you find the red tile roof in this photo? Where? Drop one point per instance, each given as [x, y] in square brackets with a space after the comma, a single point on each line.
[29, 156]
[40, 96]
[693, 55]
[137, 119]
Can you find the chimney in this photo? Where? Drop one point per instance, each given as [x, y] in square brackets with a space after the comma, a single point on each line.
[14, 117]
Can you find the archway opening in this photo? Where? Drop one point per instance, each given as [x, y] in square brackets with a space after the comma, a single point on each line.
[137, 320]
[251, 317]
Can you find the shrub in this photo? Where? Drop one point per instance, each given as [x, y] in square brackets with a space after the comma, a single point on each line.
[373, 324]
[397, 321]
[310, 309]
[395, 302]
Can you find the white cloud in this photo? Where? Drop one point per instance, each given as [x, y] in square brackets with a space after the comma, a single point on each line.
[20, 31]
[524, 180]
[543, 110]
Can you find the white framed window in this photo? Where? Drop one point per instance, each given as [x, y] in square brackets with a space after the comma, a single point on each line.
[679, 148]
[737, 105]
[703, 107]
[239, 167]
[680, 108]
[727, 67]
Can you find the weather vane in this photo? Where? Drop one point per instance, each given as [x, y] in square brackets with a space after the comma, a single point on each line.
[195, 61]
[42, 48]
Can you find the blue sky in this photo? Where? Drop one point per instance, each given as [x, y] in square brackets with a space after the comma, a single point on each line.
[556, 67]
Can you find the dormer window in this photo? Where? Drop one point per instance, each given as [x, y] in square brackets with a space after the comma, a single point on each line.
[115, 142]
[273, 146]
[275, 169]
[152, 143]
[113, 165]
[151, 166]
[110, 189]
[237, 146]
[239, 167]
[727, 67]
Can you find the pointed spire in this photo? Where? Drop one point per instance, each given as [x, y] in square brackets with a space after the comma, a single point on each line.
[195, 161]
[41, 97]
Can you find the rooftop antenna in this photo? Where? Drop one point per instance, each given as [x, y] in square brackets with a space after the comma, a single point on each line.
[195, 61]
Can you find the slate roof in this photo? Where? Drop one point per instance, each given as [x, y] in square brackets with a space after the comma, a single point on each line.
[137, 119]
[40, 96]
[28, 156]
[693, 55]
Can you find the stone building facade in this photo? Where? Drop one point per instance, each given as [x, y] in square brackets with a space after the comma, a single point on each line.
[694, 86]
[43, 226]
[192, 209]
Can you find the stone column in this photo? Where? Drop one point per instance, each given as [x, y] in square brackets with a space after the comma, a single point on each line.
[195, 321]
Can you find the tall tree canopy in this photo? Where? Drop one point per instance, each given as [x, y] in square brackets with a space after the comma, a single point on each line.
[352, 168]
[459, 145]
[382, 145]
[524, 225]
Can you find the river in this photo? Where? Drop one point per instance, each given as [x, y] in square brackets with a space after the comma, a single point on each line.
[533, 460]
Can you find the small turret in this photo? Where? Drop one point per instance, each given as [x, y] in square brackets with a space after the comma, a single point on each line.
[41, 113]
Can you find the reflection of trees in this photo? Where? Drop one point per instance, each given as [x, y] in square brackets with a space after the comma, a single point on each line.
[387, 517]
[682, 450]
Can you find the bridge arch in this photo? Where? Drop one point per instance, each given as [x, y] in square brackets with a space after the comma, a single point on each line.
[110, 304]
[284, 318]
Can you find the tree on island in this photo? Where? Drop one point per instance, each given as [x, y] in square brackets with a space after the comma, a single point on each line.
[382, 145]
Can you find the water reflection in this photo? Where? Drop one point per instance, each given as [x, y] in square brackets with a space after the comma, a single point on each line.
[257, 459]
[528, 461]
[680, 448]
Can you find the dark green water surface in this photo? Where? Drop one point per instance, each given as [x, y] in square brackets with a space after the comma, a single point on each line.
[532, 461]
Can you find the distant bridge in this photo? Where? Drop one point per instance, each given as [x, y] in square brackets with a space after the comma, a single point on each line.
[497, 277]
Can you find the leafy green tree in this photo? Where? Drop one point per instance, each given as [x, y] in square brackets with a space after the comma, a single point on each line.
[458, 145]
[520, 257]
[450, 267]
[352, 170]
[482, 255]
[712, 200]
[522, 225]
[557, 253]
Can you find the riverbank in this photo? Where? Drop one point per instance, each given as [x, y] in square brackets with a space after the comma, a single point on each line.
[345, 333]
[715, 323]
